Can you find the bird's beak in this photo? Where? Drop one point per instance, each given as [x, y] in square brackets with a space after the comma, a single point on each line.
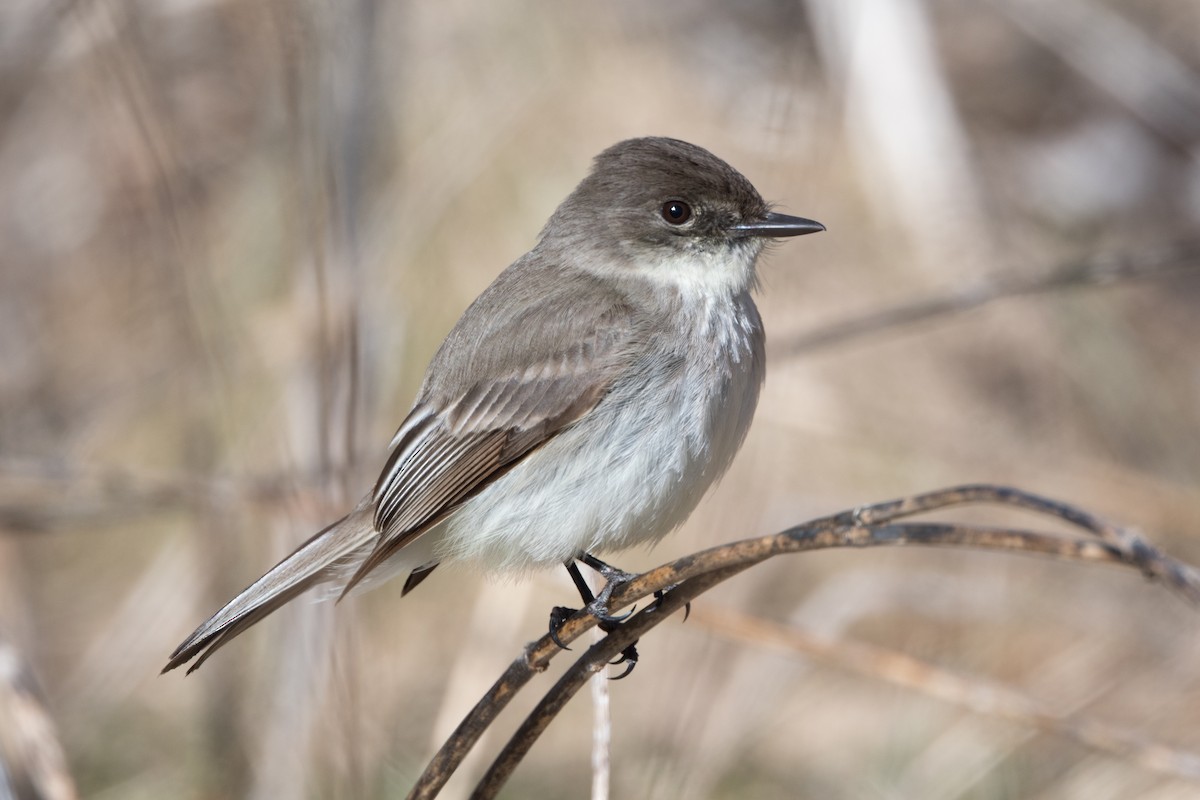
[777, 225]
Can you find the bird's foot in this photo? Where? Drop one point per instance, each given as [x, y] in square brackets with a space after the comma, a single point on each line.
[597, 606]
[629, 657]
[662, 593]
[607, 622]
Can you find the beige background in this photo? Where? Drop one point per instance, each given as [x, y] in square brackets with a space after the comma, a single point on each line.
[206, 207]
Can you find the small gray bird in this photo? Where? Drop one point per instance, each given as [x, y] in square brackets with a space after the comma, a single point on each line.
[584, 402]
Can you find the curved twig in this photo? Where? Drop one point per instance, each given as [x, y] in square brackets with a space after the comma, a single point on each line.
[691, 575]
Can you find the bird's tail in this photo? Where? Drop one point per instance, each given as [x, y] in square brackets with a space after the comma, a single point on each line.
[321, 558]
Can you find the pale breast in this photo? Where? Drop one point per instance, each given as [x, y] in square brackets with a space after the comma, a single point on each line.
[635, 467]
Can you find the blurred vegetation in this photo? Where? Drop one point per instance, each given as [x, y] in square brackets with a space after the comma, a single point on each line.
[234, 232]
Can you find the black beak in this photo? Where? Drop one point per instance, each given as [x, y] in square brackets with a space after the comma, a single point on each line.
[777, 225]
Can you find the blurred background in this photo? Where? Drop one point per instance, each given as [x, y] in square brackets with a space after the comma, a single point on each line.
[234, 232]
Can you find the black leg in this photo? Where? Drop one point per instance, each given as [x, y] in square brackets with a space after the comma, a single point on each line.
[597, 605]
[585, 591]
[610, 573]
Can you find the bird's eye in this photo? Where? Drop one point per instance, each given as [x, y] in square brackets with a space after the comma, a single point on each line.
[676, 212]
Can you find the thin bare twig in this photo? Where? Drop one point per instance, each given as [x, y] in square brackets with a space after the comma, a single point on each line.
[595, 659]
[692, 575]
[1170, 259]
[897, 533]
[52, 494]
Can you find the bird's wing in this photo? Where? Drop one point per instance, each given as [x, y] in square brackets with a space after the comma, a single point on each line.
[457, 440]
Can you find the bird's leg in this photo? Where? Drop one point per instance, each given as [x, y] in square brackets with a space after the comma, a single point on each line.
[613, 578]
[560, 614]
[596, 605]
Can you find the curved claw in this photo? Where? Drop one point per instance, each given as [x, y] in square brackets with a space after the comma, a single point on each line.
[661, 593]
[611, 619]
[624, 674]
[558, 617]
[628, 656]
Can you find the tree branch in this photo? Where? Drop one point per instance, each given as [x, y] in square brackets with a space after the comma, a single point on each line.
[692, 575]
[1100, 270]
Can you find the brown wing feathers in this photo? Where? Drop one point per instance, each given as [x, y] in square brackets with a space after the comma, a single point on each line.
[453, 454]
[458, 439]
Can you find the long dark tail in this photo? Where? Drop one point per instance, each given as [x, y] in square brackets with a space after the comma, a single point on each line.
[312, 563]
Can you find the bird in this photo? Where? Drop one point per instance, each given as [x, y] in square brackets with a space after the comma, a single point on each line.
[583, 403]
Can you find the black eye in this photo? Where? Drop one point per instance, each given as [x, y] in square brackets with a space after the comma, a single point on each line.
[676, 212]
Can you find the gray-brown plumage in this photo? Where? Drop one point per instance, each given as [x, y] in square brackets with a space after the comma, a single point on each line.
[585, 401]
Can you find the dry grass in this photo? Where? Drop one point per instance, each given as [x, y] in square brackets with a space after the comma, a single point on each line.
[234, 232]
